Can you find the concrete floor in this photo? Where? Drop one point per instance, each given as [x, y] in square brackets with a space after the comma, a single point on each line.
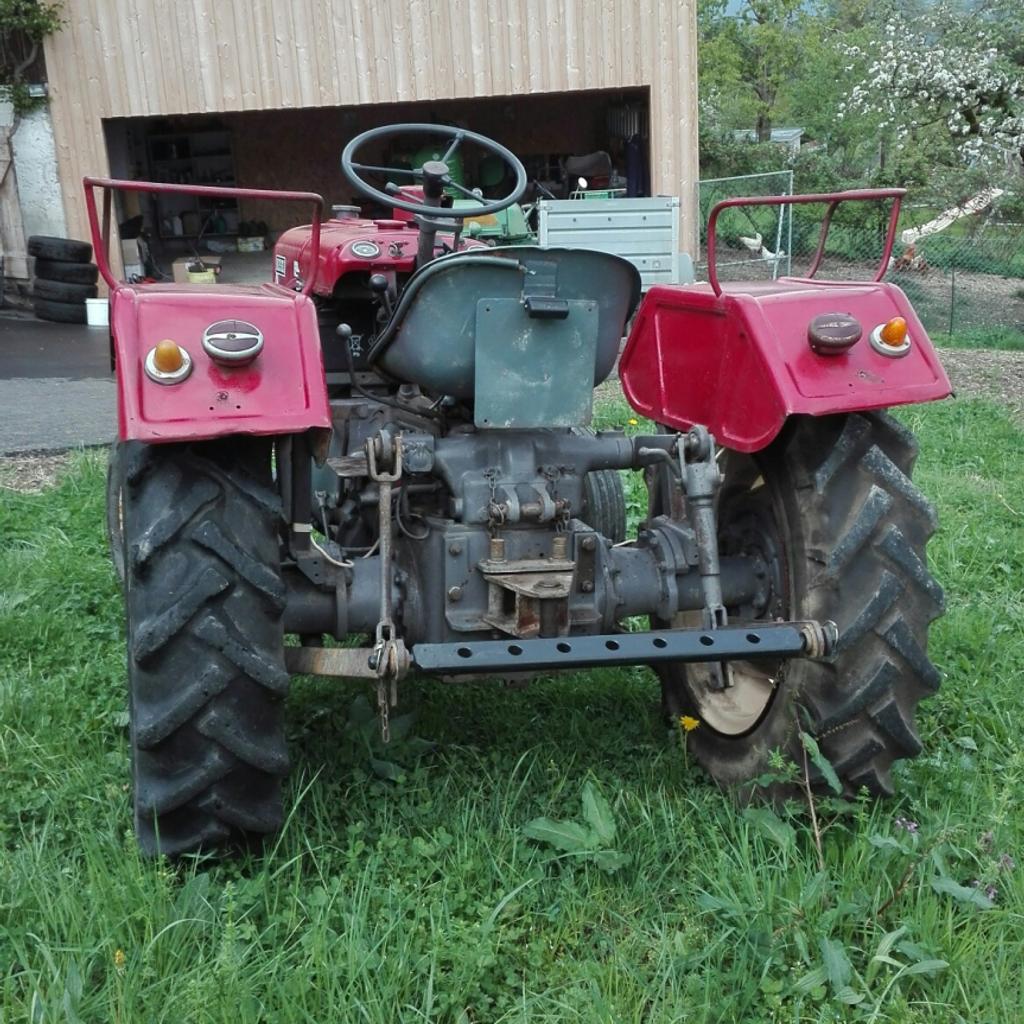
[56, 389]
[37, 349]
[247, 267]
[236, 267]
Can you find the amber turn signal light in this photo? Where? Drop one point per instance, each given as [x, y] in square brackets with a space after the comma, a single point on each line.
[167, 362]
[894, 333]
[167, 357]
[891, 338]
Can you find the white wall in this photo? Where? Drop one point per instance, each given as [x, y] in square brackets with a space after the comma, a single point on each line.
[35, 166]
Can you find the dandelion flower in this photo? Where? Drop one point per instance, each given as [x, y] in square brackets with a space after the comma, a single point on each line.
[633, 421]
[688, 724]
[119, 959]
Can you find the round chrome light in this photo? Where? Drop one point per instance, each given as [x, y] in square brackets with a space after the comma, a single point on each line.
[366, 250]
[232, 342]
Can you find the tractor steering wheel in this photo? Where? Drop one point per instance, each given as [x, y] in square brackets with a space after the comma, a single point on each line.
[433, 175]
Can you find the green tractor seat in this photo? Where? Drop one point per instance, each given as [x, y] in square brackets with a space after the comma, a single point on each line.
[522, 332]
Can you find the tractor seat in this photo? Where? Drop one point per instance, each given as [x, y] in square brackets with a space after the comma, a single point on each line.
[510, 329]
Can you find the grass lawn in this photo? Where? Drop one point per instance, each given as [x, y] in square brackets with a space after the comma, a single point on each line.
[403, 887]
[1005, 338]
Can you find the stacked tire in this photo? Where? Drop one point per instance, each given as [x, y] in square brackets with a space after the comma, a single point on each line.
[64, 278]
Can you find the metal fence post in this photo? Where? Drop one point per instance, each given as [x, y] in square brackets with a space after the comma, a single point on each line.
[952, 295]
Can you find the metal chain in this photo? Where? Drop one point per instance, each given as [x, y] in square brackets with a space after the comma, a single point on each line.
[562, 516]
[495, 513]
[384, 659]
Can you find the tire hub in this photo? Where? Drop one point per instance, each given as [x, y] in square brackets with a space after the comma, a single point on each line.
[748, 526]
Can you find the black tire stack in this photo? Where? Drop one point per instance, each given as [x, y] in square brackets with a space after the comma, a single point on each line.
[64, 278]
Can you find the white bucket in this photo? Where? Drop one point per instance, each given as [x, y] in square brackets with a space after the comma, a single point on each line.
[97, 312]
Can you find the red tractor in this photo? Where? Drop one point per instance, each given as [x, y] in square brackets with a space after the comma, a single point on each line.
[406, 464]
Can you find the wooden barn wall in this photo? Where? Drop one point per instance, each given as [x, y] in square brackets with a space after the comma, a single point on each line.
[128, 58]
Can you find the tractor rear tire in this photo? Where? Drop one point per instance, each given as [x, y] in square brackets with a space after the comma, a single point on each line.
[49, 247]
[204, 599]
[831, 505]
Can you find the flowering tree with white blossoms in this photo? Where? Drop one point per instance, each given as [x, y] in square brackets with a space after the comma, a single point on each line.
[943, 72]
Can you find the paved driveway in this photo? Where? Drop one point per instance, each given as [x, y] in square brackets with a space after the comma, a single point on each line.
[56, 389]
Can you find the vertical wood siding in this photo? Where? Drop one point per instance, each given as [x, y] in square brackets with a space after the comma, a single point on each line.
[12, 233]
[126, 58]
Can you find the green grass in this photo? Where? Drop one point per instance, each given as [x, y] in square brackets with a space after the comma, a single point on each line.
[1005, 338]
[422, 900]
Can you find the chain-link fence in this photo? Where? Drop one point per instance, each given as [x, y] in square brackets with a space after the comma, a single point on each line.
[968, 283]
[760, 238]
[966, 279]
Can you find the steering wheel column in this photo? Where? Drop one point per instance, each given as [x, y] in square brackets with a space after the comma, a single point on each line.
[435, 176]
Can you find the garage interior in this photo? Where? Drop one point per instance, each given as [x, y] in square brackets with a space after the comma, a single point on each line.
[299, 149]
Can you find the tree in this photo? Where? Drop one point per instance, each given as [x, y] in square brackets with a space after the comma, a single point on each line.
[24, 24]
[950, 76]
[752, 54]
[927, 94]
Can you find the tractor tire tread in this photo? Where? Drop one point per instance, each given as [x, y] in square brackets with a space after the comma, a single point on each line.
[156, 631]
[164, 717]
[880, 671]
[210, 536]
[206, 650]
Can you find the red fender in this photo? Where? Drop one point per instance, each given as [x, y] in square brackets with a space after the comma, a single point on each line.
[283, 391]
[740, 362]
[737, 357]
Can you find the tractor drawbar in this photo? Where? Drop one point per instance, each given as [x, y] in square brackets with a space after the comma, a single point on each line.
[783, 640]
